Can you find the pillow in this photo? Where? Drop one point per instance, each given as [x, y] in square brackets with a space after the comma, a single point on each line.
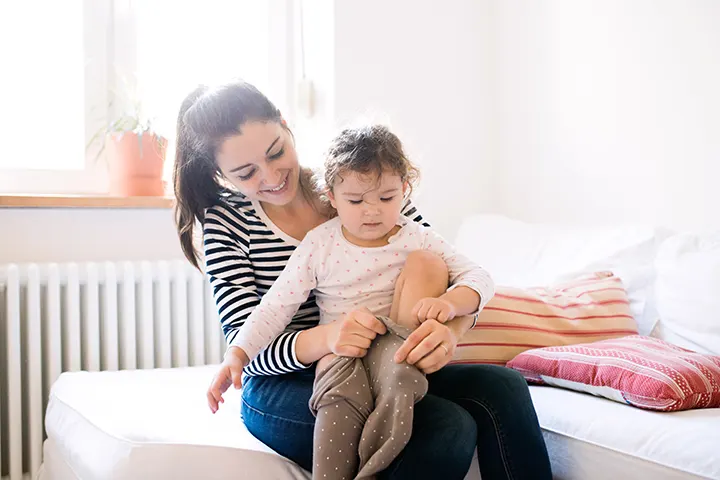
[641, 371]
[635, 267]
[522, 254]
[591, 308]
[687, 304]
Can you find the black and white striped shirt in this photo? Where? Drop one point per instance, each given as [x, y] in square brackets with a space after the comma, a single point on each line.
[244, 254]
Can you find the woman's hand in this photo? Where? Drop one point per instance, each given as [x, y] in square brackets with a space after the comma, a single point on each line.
[230, 373]
[352, 336]
[430, 347]
[433, 309]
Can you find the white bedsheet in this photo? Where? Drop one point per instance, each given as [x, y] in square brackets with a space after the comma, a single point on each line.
[591, 438]
[154, 424]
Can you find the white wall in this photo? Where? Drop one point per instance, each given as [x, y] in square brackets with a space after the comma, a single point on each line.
[420, 66]
[609, 110]
[423, 65]
[580, 111]
[314, 55]
[78, 234]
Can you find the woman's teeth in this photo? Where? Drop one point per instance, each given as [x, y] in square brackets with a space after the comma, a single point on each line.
[279, 187]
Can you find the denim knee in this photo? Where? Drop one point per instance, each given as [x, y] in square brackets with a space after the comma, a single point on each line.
[500, 388]
[442, 445]
[511, 389]
[456, 439]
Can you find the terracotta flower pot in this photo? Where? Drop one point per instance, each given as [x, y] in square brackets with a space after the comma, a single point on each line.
[135, 164]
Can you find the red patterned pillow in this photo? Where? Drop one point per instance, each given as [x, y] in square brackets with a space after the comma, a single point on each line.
[641, 371]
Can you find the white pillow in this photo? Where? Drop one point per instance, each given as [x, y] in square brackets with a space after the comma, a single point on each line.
[687, 292]
[521, 254]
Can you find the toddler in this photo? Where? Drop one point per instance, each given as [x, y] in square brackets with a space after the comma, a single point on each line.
[364, 406]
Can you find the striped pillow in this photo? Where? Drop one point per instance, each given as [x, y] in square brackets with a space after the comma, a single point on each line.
[588, 309]
[641, 371]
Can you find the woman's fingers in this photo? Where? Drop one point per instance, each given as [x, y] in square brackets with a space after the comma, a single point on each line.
[369, 321]
[354, 344]
[412, 341]
[434, 361]
[355, 341]
[351, 351]
[355, 333]
[359, 341]
[425, 347]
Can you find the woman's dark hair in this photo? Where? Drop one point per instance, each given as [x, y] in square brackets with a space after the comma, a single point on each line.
[207, 117]
[368, 150]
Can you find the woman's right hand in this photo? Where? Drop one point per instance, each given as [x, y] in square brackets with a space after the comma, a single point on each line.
[230, 373]
[352, 335]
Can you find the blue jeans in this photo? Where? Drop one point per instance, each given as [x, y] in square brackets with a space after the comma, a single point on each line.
[466, 405]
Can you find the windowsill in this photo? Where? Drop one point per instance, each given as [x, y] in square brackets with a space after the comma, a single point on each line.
[83, 201]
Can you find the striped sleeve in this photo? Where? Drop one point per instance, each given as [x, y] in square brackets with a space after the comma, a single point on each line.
[279, 305]
[410, 211]
[232, 279]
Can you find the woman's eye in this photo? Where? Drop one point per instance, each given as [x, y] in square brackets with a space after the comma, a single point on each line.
[387, 199]
[247, 176]
[355, 202]
[277, 155]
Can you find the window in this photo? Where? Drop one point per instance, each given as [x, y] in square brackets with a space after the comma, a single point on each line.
[47, 62]
[68, 68]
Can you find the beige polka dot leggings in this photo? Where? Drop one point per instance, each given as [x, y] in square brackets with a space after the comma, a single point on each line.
[364, 410]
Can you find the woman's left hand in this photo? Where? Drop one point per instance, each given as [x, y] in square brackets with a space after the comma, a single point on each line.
[430, 347]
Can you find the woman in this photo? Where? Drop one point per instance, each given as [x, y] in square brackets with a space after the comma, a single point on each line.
[237, 173]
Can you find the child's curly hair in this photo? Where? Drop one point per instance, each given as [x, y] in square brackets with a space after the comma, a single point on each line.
[370, 149]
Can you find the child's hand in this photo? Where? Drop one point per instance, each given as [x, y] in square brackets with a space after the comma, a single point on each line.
[229, 374]
[434, 309]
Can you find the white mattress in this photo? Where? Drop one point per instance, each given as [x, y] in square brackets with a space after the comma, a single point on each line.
[154, 424]
[591, 438]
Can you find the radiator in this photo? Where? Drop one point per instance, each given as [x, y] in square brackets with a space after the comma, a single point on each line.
[93, 316]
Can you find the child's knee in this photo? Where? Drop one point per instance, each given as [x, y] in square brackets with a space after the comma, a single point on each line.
[424, 275]
[426, 265]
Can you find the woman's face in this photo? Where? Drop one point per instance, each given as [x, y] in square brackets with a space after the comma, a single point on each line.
[261, 162]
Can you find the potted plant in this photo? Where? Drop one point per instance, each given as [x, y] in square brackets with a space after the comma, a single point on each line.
[135, 151]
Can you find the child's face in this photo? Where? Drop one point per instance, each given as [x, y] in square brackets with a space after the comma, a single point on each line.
[368, 206]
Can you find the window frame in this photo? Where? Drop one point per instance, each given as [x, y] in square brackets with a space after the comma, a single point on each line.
[92, 178]
[110, 47]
